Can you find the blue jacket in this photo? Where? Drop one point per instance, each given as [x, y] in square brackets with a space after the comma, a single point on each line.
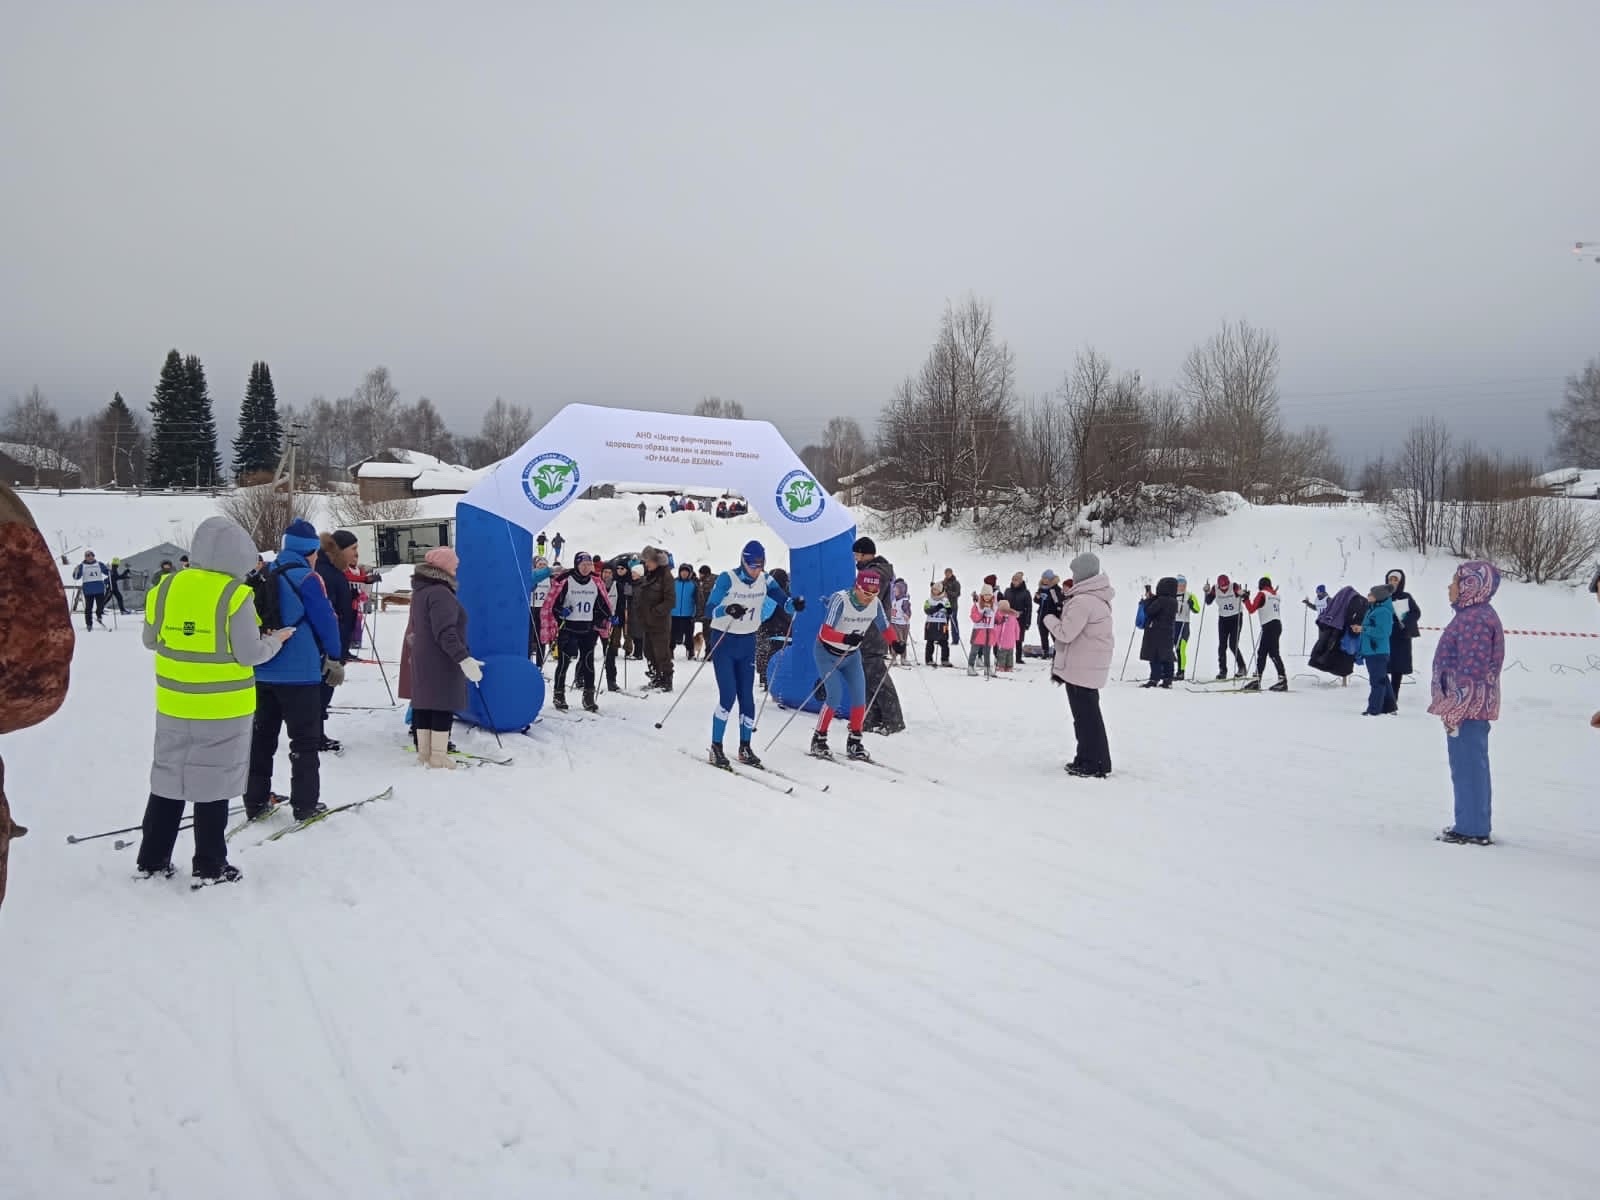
[302, 601]
[683, 598]
[1375, 629]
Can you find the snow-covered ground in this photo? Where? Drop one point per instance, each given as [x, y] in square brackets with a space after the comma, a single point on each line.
[1239, 968]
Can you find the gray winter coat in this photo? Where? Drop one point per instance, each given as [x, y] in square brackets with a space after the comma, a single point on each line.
[202, 761]
[437, 640]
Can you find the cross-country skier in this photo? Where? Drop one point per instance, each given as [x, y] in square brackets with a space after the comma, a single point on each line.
[1228, 596]
[576, 615]
[851, 613]
[936, 623]
[539, 585]
[1188, 604]
[1270, 606]
[740, 600]
[92, 575]
[1320, 605]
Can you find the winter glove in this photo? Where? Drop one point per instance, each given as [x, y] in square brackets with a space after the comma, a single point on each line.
[472, 668]
[564, 612]
[333, 673]
[852, 639]
[799, 604]
[374, 578]
[734, 610]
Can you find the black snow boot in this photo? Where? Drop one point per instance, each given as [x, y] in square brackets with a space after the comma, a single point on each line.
[164, 871]
[559, 700]
[1222, 674]
[718, 758]
[588, 700]
[1150, 683]
[819, 745]
[1180, 676]
[1461, 839]
[1081, 772]
[228, 874]
[853, 749]
[328, 746]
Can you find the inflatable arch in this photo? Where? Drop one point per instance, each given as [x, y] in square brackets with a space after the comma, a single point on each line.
[584, 445]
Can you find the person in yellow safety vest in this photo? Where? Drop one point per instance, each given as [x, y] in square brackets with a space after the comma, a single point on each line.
[1188, 605]
[203, 627]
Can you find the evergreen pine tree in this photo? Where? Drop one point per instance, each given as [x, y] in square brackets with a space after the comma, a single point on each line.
[260, 439]
[169, 421]
[120, 443]
[204, 468]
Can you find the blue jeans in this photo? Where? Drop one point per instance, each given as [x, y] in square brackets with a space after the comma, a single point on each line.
[1469, 773]
[733, 660]
[1381, 694]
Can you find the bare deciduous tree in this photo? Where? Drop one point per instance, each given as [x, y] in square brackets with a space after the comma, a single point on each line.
[1413, 509]
[419, 426]
[506, 427]
[716, 406]
[1577, 422]
[264, 511]
[1232, 380]
[347, 507]
[373, 409]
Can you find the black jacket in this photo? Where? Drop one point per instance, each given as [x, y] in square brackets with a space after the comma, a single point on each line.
[340, 597]
[1160, 618]
[952, 589]
[1049, 601]
[1021, 601]
[1407, 618]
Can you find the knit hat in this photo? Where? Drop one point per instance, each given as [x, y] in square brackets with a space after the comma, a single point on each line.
[867, 581]
[344, 539]
[938, 588]
[541, 561]
[1224, 583]
[1085, 566]
[581, 557]
[753, 552]
[992, 580]
[987, 593]
[682, 567]
[1266, 581]
[864, 545]
[444, 558]
[1322, 589]
[1184, 580]
[1382, 592]
[301, 537]
[1049, 577]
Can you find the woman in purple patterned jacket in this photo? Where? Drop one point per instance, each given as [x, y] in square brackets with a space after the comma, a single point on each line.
[1466, 694]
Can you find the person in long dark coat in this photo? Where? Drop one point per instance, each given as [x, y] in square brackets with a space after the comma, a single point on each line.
[1160, 619]
[1407, 618]
[439, 665]
[883, 708]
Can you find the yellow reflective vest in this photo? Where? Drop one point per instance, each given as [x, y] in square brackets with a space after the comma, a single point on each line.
[197, 677]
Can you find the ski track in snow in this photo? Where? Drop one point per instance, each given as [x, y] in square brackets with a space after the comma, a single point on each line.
[1239, 968]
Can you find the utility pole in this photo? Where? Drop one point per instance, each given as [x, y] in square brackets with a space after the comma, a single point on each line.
[284, 476]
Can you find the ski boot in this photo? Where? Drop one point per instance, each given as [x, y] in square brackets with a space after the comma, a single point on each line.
[1281, 686]
[1222, 674]
[718, 758]
[559, 700]
[1078, 771]
[1253, 686]
[165, 871]
[1180, 675]
[1150, 683]
[748, 756]
[1461, 839]
[819, 745]
[588, 701]
[316, 810]
[854, 750]
[228, 874]
[1166, 684]
[329, 746]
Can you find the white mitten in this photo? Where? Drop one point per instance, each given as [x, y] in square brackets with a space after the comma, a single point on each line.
[472, 668]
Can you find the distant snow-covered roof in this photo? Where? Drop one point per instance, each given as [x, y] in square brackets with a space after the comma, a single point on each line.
[39, 456]
[427, 473]
[446, 479]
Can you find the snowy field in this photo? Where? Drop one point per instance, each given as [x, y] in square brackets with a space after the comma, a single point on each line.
[1240, 968]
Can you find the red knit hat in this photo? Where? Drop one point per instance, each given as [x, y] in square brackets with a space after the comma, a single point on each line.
[867, 581]
[992, 580]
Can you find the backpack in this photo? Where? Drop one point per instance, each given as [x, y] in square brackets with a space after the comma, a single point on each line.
[264, 586]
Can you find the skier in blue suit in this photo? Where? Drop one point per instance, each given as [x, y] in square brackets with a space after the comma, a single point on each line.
[740, 600]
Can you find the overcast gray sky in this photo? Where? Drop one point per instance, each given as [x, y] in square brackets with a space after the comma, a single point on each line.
[643, 204]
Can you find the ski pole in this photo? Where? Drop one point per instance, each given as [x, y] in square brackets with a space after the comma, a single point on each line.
[372, 636]
[484, 700]
[800, 708]
[679, 698]
[1124, 673]
[73, 839]
[1305, 613]
[1199, 635]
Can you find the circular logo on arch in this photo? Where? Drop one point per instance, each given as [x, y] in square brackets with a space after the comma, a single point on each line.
[550, 480]
[800, 497]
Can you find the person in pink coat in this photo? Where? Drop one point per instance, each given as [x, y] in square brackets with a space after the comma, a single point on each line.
[980, 641]
[1007, 631]
[1085, 645]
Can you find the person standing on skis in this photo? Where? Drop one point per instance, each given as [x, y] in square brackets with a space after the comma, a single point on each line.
[1188, 604]
[576, 615]
[1228, 596]
[92, 575]
[851, 613]
[740, 600]
[1268, 603]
